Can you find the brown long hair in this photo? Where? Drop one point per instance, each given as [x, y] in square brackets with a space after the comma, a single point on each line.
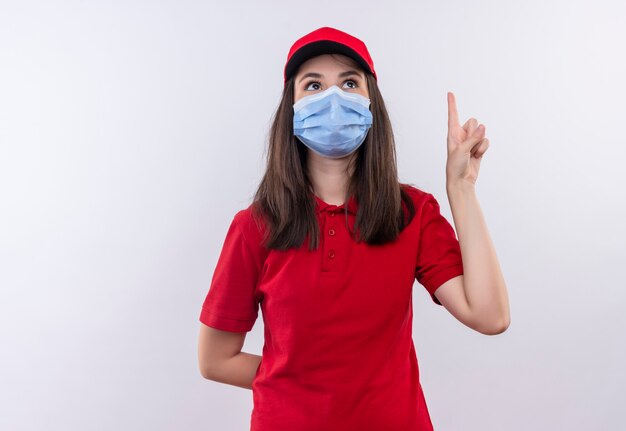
[284, 200]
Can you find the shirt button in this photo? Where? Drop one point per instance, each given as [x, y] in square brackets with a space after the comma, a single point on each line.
[331, 214]
[331, 232]
[331, 254]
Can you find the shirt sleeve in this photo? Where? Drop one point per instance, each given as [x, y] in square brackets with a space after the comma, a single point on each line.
[231, 304]
[439, 255]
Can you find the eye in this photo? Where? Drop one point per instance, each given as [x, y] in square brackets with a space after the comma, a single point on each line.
[309, 84]
[353, 82]
[312, 83]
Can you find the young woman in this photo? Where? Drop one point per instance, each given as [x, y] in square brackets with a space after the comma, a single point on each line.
[330, 248]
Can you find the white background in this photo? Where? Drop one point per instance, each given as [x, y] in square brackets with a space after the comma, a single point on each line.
[131, 132]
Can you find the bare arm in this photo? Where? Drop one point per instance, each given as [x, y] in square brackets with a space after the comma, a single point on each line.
[220, 357]
[479, 297]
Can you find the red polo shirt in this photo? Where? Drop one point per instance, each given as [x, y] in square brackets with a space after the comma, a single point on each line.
[338, 352]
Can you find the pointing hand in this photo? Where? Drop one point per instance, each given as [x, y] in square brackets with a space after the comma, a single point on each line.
[466, 146]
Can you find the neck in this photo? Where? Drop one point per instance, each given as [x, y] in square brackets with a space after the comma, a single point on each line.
[330, 177]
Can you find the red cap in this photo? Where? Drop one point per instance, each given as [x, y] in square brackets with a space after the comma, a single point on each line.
[327, 40]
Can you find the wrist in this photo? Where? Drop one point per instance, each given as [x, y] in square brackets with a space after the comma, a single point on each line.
[460, 186]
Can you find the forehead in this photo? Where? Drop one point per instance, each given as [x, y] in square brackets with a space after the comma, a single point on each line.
[328, 61]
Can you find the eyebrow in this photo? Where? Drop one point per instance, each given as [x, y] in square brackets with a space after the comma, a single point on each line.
[341, 75]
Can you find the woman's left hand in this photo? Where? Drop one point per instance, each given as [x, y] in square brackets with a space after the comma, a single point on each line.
[466, 146]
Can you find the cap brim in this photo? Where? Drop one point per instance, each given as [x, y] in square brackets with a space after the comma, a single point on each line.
[318, 48]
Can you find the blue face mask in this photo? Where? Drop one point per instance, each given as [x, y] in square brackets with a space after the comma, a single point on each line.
[333, 123]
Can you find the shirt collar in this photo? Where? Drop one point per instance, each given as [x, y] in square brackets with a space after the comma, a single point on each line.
[320, 205]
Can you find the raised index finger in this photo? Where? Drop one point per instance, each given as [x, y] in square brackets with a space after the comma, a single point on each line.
[453, 115]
